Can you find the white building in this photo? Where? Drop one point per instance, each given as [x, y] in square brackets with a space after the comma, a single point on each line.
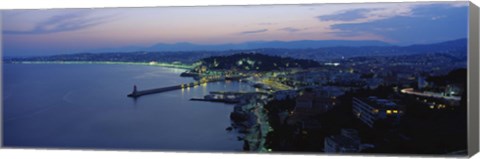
[371, 109]
[347, 142]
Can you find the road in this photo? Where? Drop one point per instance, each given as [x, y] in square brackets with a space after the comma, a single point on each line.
[429, 94]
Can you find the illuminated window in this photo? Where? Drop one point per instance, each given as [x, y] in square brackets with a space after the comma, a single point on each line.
[389, 112]
[395, 111]
[375, 110]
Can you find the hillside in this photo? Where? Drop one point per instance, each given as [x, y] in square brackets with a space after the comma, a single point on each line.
[254, 61]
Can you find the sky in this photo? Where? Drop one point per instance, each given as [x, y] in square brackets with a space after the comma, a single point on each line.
[60, 31]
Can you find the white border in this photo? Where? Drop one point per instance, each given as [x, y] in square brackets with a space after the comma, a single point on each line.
[45, 4]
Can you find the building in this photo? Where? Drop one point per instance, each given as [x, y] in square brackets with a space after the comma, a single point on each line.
[308, 104]
[373, 83]
[304, 102]
[315, 102]
[329, 91]
[421, 82]
[347, 142]
[285, 94]
[372, 109]
[454, 90]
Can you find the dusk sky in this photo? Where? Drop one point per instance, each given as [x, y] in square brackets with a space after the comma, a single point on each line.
[59, 31]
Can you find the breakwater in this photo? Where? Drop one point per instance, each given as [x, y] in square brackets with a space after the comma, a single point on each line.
[136, 93]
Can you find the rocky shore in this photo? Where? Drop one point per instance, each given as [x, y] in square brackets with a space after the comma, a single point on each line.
[250, 119]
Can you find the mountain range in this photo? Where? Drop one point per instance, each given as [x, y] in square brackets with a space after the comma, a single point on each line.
[301, 44]
[456, 49]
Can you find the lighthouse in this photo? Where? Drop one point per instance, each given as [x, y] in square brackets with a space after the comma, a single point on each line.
[134, 93]
[134, 89]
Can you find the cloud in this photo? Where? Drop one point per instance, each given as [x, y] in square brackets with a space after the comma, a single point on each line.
[266, 23]
[62, 23]
[15, 13]
[425, 23]
[348, 15]
[457, 4]
[254, 31]
[438, 17]
[292, 29]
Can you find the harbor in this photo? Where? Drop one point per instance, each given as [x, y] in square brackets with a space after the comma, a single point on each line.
[227, 97]
[136, 93]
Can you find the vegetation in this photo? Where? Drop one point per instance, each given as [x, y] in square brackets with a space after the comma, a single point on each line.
[254, 62]
[455, 76]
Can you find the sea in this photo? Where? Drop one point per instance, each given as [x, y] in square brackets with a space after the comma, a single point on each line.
[85, 106]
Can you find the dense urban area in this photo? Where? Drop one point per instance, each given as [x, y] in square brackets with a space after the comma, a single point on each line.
[382, 99]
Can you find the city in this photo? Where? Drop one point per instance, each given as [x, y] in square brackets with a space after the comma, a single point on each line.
[363, 78]
[371, 104]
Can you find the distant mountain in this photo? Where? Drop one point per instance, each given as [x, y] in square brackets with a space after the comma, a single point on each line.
[313, 44]
[302, 44]
[440, 46]
[455, 49]
[119, 49]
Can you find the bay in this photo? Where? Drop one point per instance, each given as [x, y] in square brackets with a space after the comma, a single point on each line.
[85, 106]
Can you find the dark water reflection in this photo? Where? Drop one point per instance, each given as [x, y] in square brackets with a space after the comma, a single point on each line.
[85, 106]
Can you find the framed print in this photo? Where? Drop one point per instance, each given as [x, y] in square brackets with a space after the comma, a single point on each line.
[354, 78]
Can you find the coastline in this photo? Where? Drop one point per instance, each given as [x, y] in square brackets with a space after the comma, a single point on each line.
[167, 65]
[154, 111]
[253, 136]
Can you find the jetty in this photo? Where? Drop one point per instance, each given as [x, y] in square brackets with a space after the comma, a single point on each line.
[136, 93]
[228, 101]
[227, 97]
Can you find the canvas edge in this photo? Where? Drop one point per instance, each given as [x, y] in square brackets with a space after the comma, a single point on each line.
[1, 81]
[473, 80]
[473, 97]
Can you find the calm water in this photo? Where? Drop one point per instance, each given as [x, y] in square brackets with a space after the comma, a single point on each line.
[85, 106]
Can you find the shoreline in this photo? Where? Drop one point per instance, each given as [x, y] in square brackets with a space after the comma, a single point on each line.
[167, 65]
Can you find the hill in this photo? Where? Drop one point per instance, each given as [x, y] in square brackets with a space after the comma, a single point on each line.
[254, 62]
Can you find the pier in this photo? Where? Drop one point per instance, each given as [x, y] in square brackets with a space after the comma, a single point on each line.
[136, 93]
[227, 97]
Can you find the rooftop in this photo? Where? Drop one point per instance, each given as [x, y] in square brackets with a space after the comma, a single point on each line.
[378, 102]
